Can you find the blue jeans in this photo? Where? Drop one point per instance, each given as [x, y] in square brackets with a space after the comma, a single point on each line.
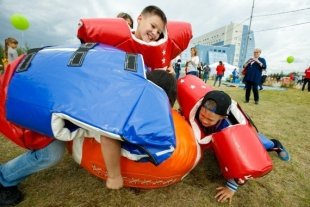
[17, 169]
[268, 144]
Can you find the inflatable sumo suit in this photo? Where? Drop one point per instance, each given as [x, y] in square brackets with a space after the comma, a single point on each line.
[115, 32]
[93, 90]
[86, 151]
[237, 147]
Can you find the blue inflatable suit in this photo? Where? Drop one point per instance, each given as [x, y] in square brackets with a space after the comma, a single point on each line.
[92, 90]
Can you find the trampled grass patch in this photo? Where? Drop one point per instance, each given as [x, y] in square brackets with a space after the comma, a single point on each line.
[284, 115]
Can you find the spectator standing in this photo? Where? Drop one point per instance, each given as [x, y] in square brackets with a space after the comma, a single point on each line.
[177, 68]
[307, 79]
[235, 75]
[192, 64]
[206, 72]
[220, 69]
[254, 67]
[10, 49]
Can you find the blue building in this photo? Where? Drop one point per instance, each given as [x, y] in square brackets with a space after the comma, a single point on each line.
[227, 43]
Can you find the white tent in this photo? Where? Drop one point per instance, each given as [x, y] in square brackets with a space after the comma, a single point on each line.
[228, 69]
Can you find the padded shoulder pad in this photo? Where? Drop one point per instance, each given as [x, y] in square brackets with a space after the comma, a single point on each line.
[179, 33]
[98, 29]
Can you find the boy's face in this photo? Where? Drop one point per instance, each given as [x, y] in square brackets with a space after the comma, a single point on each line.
[149, 27]
[208, 118]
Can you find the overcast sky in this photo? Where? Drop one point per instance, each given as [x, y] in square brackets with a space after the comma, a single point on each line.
[54, 22]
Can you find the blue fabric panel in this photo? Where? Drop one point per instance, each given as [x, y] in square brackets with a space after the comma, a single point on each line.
[152, 125]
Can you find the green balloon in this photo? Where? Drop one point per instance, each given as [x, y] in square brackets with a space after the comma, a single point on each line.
[290, 59]
[19, 22]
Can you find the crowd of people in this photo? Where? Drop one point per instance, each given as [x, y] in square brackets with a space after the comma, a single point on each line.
[211, 115]
[250, 80]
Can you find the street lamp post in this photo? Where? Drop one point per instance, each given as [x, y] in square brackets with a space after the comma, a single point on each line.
[248, 36]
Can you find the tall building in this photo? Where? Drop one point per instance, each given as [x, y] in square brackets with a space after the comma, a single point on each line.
[227, 43]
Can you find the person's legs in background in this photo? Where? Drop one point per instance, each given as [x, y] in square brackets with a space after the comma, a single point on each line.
[220, 80]
[255, 92]
[304, 84]
[177, 74]
[206, 78]
[248, 87]
[216, 78]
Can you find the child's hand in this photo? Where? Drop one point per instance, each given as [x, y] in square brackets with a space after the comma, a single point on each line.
[224, 194]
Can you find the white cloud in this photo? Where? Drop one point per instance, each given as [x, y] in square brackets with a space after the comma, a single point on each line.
[55, 22]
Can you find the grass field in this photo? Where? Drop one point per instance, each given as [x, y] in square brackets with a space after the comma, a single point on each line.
[284, 115]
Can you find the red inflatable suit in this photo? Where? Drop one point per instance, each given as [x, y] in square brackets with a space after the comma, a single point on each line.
[115, 32]
[237, 147]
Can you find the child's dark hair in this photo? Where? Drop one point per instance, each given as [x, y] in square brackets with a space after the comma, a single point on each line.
[156, 11]
[166, 81]
[126, 16]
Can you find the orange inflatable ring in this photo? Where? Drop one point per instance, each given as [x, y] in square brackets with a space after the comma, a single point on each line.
[87, 152]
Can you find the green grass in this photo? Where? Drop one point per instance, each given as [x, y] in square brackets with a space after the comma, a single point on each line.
[284, 115]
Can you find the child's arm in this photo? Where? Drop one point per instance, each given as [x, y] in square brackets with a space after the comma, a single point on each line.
[170, 68]
[111, 152]
[226, 192]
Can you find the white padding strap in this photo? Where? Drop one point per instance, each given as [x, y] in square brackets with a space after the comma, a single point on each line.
[237, 113]
[62, 133]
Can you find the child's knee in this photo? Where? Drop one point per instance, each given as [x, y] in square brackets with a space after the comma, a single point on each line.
[51, 154]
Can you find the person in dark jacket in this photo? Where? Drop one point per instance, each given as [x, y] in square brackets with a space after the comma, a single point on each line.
[254, 67]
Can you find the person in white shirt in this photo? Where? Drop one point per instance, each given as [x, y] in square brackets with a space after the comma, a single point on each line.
[192, 64]
[10, 49]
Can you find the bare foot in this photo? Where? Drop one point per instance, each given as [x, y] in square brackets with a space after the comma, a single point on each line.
[115, 183]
